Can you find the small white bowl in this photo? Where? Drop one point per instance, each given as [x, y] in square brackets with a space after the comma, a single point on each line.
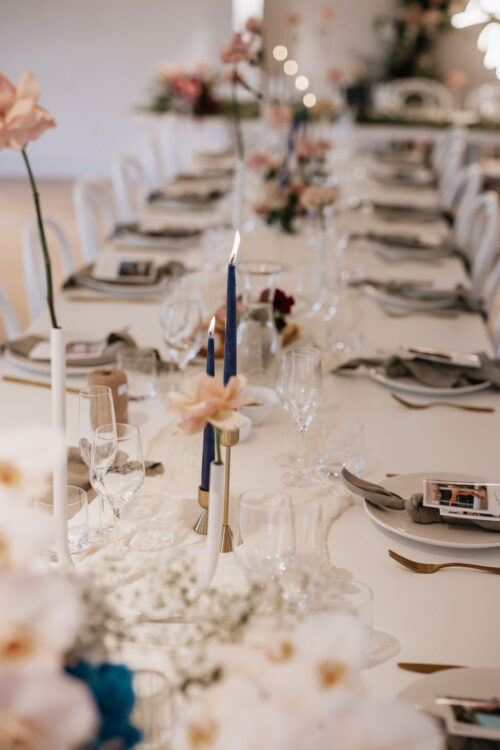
[266, 399]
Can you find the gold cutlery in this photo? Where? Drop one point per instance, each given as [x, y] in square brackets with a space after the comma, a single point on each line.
[450, 405]
[39, 383]
[424, 668]
[123, 300]
[432, 568]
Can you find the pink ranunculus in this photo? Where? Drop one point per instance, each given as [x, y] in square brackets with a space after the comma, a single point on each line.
[254, 26]
[206, 399]
[189, 88]
[21, 119]
[318, 196]
[258, 160]
[278, 116]
[238, 50]
[455, 79]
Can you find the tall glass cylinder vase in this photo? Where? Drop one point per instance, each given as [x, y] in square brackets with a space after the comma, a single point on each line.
[258, 339]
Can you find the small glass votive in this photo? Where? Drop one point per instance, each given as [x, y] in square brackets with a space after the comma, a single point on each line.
[140, 367]
[152, 712]
[78, 517]
[341, 445]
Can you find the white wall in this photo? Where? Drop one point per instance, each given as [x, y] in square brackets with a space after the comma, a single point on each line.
[95, 60]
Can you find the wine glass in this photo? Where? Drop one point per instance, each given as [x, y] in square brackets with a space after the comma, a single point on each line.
[299, 389]
[117, 469]
[95, 405]
[182, 326]
[265, 536]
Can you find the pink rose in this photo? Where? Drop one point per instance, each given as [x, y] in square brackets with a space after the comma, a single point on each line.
[206, 399]
[237, 51]
[254, 26]
[318, 196]
[21, 119]
[190, 88]
[258, 160]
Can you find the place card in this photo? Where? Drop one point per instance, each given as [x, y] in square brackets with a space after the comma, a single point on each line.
[468, 500]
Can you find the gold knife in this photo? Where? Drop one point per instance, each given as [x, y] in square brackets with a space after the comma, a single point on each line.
[426, 668]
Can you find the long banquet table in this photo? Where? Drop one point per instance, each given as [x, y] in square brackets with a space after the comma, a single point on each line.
[448, 617]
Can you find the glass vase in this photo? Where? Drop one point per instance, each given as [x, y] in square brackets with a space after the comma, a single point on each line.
[259, 344]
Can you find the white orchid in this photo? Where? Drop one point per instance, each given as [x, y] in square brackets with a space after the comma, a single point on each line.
[25, 533]
[44, 711]
[27, 458]
[39, 619]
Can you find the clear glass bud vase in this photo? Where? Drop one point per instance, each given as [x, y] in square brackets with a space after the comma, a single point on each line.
[259, 343]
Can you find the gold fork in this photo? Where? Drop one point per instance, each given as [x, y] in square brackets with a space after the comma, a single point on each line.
[449, 404]
[418, 567]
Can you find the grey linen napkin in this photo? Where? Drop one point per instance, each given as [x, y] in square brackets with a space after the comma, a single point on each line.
[78, 472]
[432, 374]
[84, 277]
[177, 232]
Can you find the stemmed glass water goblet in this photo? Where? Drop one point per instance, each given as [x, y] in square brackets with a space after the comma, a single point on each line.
[181, 322]
[95, 406]
[117, 469]
[299, 389]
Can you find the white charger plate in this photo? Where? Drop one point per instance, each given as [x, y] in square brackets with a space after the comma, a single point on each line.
[481, 683]
[411, 386]
[437, 534]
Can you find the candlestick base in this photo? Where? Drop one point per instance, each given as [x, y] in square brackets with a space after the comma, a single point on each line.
[226, 544]
[201, 524]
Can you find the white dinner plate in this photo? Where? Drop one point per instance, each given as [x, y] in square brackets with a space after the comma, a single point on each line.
[481, 683]
[408, 385]
[42, 367]
[396, 302]
[438, 534]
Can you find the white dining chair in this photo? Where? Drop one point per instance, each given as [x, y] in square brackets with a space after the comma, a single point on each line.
[485, 100]
[34, 270]
[454, 159]
[459, 198]
[131, 184]
[9, 315]
[410, 93]
[483, 239]
[95, 212]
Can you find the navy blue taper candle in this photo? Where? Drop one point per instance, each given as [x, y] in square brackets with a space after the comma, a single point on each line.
[208, 432]
[230, 367]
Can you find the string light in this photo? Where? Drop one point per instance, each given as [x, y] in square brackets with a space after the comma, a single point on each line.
[309, 100]
[280, 52]
[301, 83]
[290, 67]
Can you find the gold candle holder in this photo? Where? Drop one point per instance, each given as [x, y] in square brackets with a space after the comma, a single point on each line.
[228, 439]
[201, 524]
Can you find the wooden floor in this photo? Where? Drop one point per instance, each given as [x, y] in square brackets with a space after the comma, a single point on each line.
[16, 208]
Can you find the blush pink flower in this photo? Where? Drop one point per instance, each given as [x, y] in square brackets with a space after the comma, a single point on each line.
[169, 71]
[238, 50]
[21, 119]
[258, 160]
[317, 197]
[206, 399]
[190, 88]
[255, 26]
[455, 79]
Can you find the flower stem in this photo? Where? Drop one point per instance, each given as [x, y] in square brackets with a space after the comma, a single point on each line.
[217, 447]
[43, 241]
[237, 114]
[250, 89]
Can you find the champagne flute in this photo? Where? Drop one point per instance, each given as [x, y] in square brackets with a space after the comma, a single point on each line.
[95, 406]
[182, 327]
[299, 389]
[117, 469]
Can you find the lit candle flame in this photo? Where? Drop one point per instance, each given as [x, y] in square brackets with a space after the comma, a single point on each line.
[211, 327]
[236, 245]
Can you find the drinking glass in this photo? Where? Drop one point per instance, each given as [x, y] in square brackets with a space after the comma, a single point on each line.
[182, 326]
[95, 405]
[152, 709]
[140, 367]
[299, 389]
[78, 517]
[117, 469]
[345, 332]
[341, 445]
[265, 535]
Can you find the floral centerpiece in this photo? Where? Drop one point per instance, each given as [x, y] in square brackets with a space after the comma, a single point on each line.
[186, 92]
[56, 688]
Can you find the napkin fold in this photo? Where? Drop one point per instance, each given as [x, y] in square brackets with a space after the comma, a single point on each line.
[84, 277]
[459, 298]
[114, 342]
[78, 471]
[173, 232]
[431, 374]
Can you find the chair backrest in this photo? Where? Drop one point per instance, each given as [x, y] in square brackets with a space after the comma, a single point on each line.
[484, 238]
[94, 209]
[485, 99]
[9, 315]
[154, 161]
[409, 93]
[454, 160]
[460, 195]
[131, 185]
[34, 269]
